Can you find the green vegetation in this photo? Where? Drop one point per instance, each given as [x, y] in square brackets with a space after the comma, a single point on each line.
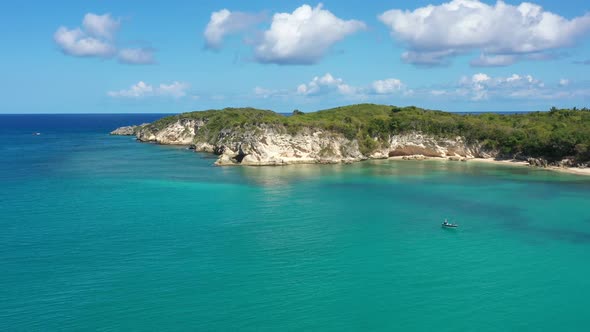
[226, 118]
[553, 135]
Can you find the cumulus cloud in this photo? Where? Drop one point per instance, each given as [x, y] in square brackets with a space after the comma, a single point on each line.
[433, 34]
[93, 40]
[103, 26]
[325, 84]
[304, 36]
[387, 86]
[225, 22]
[431, 58]
[96, 38]
[142, 89]
[77, 43]
[493, 60]
[501, 60]
[478, 87]
[260, 92]
[175, 89]
[481, 86]
[139, 56]
[330, 84]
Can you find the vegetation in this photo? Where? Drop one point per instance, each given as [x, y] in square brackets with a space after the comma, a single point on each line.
[553, 135]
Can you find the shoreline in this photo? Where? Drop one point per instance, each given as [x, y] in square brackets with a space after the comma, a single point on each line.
[511, 162]
[504, 162]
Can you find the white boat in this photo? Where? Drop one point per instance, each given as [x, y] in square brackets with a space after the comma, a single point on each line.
[449, 225]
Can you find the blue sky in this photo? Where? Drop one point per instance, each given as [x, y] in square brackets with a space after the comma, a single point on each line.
[177, 56]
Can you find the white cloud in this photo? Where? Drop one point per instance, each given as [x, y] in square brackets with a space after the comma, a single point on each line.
[432, 34]
[323, 84]
[77, 43]
[481, 86]
[264, 93]
[513, 78]
[142, 89]
[502, 60]
[175, 89]
[478, 78]
[493, 60]
[478, 87]
[349, 90]
[100, 25]
[432, 58]
[136, 56]
[225, 22]
[387, 86]
[96, 38]
[330, 84]
[304, 36]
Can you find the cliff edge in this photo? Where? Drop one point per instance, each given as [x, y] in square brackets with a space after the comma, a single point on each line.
[246, 136]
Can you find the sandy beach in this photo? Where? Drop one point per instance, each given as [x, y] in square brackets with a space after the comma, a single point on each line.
[512, 162]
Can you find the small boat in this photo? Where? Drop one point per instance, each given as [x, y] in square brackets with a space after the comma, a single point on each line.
[449, 225]
[36, 134]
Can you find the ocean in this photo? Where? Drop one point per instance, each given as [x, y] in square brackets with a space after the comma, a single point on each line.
[103, 233]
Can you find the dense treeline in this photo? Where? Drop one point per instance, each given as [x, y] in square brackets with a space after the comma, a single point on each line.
[554, 135]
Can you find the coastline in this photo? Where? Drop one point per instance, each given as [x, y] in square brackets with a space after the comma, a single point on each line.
[512, 162]
[253, 137]
[503, 162]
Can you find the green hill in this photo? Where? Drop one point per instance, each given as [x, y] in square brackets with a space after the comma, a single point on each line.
[553, 135]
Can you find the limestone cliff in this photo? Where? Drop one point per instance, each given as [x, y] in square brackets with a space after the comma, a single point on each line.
[274, 144]
[128, 130]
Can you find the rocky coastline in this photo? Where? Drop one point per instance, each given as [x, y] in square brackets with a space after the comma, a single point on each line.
[128, 130]
[274, 145]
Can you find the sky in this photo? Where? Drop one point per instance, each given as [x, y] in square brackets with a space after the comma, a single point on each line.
[113, 56]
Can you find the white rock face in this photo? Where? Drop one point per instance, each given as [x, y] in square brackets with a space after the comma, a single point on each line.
[430, 146]
[269, 146]
[127, 130]
[180, 132]
[272, 145]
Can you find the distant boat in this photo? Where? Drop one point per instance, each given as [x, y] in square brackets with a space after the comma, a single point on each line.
[447, 224]
[36, 134]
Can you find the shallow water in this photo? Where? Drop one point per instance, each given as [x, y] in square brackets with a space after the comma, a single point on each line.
[103, 233]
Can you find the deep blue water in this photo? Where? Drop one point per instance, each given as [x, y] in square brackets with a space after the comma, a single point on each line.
[70, 123]
[103, 233]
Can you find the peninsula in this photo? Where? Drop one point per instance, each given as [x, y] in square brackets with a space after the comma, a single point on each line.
[247, 136]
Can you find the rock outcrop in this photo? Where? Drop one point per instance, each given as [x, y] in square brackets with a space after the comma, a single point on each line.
[128, 130]
[266, 144]
[249, 136]
[538, 162]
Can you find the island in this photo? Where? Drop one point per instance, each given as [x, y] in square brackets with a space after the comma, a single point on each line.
[247, 136]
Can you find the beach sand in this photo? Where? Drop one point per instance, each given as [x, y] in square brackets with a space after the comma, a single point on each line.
[512, 162]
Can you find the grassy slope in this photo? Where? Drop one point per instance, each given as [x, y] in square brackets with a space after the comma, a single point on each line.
[553, 135]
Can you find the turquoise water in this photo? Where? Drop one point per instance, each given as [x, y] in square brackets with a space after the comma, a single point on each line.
[103, 233]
